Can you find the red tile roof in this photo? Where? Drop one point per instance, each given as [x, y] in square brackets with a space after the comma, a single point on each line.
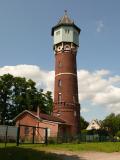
[41, 116]
[49, 117]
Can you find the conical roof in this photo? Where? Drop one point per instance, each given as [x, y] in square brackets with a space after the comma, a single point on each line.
[65, 21]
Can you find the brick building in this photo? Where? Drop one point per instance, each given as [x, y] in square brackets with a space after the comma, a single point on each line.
[37, 119]
[65, 118]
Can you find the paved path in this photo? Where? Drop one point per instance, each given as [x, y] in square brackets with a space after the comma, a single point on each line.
[67, 155]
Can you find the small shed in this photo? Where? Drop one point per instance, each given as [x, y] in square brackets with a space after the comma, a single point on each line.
[33, 122]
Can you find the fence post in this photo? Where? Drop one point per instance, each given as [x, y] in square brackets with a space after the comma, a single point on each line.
[18, 135]
[33, 135]
[46, 136]
[6, 135]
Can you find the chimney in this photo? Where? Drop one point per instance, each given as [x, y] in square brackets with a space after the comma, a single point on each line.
[38, 111]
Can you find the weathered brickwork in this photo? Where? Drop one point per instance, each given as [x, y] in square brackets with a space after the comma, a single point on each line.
[67, 108]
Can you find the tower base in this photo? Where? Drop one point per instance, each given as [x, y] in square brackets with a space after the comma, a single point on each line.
[70, 113]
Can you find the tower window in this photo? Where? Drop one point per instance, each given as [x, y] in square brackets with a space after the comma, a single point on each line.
[59, 97]
[67, 47]
[74, 99]
[67, 31]
[75, 114]
[59, 83]
[75, 33]
[59, 64]
[58, 32]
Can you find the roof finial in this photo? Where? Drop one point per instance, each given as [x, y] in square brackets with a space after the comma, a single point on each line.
[65, 12]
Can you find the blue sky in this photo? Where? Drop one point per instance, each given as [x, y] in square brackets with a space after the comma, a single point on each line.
[25, 38]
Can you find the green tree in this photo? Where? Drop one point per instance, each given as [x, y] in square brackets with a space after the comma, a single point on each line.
[22, 96]
[49, 102]
[18, 94]
[43, 100]
[6, 87]
[112, 123]
[83, 123]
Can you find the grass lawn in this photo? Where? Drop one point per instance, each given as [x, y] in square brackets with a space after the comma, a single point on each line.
[100, 147]
[41, 152]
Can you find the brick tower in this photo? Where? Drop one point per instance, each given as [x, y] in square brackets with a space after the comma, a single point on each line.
[66, 103]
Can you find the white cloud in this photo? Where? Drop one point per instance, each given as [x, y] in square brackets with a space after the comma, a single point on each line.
[115, 80]
[98, 87]
[44, 79]
[84, 110]
[100, 26]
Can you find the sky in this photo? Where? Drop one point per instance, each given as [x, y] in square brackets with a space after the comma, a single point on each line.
[26, 47]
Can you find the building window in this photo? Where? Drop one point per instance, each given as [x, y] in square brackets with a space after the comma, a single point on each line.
[59, 98]
[75, 33]
[59, 64]
[59, 83]
[75, 114]
[26, 130]
[67, 47]
[59, 48]
[74, 99]
[67, 31]
[58, 33]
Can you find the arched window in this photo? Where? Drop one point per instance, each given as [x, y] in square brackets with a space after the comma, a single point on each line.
[59, 83]
[59, 97]
[59, 64]
[75, 114]
[67, 47]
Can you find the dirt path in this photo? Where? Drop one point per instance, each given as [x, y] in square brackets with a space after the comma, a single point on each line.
[101, 156]
[67, 155]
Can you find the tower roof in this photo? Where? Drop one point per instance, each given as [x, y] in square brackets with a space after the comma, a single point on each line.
[65, 21]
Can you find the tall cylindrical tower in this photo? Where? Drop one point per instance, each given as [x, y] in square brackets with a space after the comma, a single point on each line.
[66, 43]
